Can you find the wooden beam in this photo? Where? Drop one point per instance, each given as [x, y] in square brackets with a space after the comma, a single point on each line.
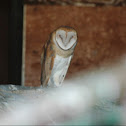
[15, 41]
[78, 2]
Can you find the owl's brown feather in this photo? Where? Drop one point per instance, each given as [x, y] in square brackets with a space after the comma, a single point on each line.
[47, 61]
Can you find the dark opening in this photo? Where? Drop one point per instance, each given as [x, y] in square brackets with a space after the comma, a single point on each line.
[11, 26]
[4, 10]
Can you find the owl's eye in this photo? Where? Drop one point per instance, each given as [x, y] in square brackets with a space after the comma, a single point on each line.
[60, 37]
[71, 37]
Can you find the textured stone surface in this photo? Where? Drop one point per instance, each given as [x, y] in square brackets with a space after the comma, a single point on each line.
[101, 36]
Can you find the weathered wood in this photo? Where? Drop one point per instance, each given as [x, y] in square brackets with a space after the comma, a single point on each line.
[15, 41]
[78, 2]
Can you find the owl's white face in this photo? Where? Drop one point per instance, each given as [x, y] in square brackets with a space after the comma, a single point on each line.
[65, 39]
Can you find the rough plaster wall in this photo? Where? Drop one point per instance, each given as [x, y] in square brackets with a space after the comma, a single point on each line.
[101, 36]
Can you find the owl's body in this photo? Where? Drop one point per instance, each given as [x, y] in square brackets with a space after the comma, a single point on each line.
[56, 57]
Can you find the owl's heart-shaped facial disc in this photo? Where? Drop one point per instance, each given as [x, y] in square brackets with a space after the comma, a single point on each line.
[66, 39]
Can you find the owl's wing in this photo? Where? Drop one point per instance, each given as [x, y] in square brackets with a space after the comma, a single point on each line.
[42, 65]
[64, 72]
[47, 62]
[68, 64]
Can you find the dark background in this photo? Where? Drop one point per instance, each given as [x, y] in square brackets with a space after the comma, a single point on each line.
[11, 25]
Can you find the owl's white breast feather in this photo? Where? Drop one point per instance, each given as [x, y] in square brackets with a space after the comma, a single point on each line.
[59, 70]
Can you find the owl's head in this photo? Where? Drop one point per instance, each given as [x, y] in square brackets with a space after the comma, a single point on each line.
[65, 38]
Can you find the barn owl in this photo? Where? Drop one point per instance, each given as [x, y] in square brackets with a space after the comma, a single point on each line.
[56, 56]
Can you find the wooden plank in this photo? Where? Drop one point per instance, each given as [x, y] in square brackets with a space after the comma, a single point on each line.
[15, 41]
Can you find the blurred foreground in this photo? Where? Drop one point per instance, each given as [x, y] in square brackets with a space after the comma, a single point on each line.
[95, 97]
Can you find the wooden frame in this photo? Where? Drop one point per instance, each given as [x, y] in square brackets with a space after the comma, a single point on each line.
[78, 3]
[15, 41]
